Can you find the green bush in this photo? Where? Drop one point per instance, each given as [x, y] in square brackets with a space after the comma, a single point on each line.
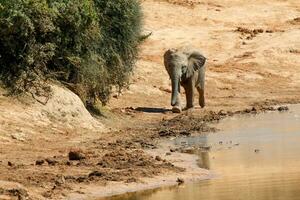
[25, 47]
[89, 45]
[121, 26]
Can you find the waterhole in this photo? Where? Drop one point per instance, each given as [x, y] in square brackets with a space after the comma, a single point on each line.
[253, 157]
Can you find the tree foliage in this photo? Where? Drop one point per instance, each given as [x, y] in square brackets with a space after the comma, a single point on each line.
[88, 45]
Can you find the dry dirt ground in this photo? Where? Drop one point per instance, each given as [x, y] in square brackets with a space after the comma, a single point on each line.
[253, 50]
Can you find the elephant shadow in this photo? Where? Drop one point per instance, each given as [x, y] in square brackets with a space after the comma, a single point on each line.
[152, 110]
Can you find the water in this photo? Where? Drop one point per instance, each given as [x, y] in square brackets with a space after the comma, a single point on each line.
[254, 157]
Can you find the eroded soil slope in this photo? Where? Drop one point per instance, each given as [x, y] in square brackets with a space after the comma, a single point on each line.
[253, 51]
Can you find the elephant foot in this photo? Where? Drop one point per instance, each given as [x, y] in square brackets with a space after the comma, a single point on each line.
[176, 109]
[188, 108]
[201, 103]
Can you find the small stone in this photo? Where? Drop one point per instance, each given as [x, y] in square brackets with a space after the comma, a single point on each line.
[10, 164]
[282, 108]
[51, 161]
[172, 150]
[254, 109]
[206, 148]
[168, 154]
[81, 179]
[188, 150]
[180, 181]
[39, 162]
[256, 150]
[185, 133]
[158, 158]
[68, 163]
[247, 110]
[222, 113]
[166, 133]
[76, 155]
[18, 136]
[131, 180]
[60, 181]
[96, 173]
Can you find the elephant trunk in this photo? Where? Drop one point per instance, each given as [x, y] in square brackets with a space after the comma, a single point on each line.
[175, 91]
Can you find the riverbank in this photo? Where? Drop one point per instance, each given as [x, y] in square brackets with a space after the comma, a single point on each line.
[183, 158]
[90, 165]
[52, 151]
[253, 157]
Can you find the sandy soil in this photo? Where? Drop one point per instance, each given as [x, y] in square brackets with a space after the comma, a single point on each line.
[59, 151]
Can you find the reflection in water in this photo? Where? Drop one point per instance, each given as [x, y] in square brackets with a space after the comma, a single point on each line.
[203, 160]
[257, 159]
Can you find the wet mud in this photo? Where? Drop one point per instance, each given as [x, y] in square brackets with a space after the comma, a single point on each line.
[252, 157]
[121, 158]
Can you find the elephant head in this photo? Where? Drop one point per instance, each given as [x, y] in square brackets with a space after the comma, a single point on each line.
[183, 65]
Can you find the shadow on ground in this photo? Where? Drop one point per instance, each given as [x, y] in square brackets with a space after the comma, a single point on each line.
[152, 110]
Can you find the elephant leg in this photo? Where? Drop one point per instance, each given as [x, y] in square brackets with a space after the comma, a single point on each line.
[189, 93]
[177, 107]
[201, 97]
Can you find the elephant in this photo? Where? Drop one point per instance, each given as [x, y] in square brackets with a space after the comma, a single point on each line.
[186, 67]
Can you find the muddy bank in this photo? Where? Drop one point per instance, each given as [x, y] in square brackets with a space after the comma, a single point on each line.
[132, 158]
[253, 157]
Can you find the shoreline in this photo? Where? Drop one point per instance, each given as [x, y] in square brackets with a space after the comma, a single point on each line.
[193, 173]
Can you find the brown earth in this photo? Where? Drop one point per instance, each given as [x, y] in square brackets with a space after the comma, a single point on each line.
[253, 63]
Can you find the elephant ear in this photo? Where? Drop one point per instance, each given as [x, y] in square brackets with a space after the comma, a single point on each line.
[168, 57]
[195, 62]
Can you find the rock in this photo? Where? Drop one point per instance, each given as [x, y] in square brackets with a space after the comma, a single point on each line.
[158, 158]
[18, 136]
[10, 164]
[282, 108]
[51, 161]
[168, 154]
[13, 191]
[188, 150]
[39, 162]
[247, 110]
[256, 150]
[81, 179]
[131, 180]
[207, 148]
[166, 133]
[96, 173]
[76, 155]
[180, 181]
[60, 181]
[172, 150]
[68, 163]
[185, 133]
[222, 113]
